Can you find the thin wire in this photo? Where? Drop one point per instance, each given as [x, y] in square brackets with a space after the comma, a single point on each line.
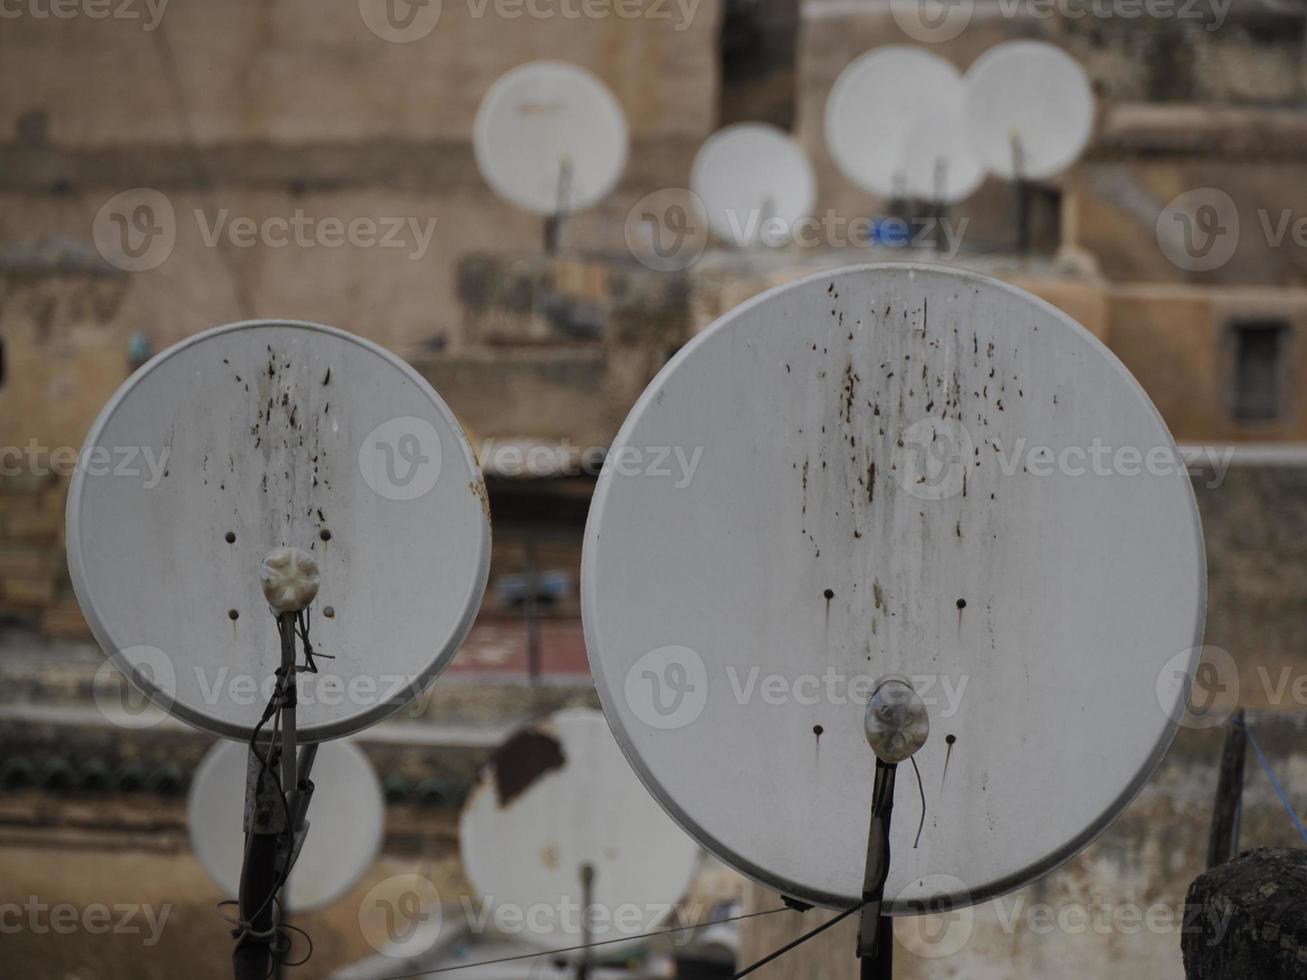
[920, 789]
[1279, 790]
[573, 949]
[802, 939]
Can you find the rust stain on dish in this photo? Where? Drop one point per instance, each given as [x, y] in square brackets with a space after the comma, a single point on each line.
[478, 489]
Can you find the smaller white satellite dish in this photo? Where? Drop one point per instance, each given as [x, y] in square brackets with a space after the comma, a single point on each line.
[550, 137]
[1028, 109]
[265, 435]
[751, 176]
[559, 796]
[894, 127]
[345, 822]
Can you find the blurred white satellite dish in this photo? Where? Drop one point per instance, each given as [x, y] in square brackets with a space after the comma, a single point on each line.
[262, 435]
[558, 797]
[550, 137]
[893, 126]
[896, 477]
[749, 174]
[1029, 109]
[344, 835]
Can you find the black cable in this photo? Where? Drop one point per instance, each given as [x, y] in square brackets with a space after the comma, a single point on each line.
[277, 700]
[922, 790]
[604, 942]
[802, 939]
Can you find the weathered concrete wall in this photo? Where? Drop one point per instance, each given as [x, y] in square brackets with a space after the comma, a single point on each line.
[298, 71]
[248, 117]
[1117, 214]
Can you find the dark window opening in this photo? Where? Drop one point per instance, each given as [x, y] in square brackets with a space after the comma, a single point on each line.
[2, 362]
[758, 45]
[1259, 347]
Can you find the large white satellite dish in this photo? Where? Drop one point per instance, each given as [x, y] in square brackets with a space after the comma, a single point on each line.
[344, 836]
[1029, 109]
[901, 470]
[893, 126]
[274, 434]
[748, 175]
[550, 137]
[559, 796]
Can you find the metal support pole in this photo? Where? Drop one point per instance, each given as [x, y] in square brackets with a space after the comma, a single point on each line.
[1227, 813]
[554, 222]
[265, 824]
[585, 964]
[897, 725]
[1022, 191]
[274, 821]
[531, 612]
[875, 938]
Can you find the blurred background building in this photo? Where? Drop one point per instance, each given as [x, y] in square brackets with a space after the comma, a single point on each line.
[238, 117]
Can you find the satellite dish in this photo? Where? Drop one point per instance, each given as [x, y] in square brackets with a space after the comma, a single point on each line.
[893, 126]
[749, 173]
[345, 825]
[879, 492]
[559, 796]
[266, 435]
[1029, 109]
[550, 137]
